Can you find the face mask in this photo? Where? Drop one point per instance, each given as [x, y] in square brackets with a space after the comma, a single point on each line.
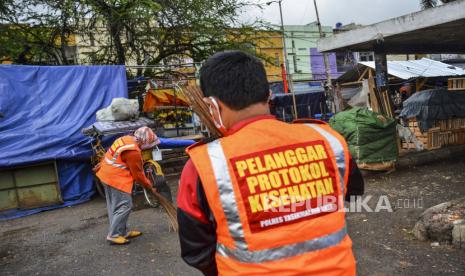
[219, 125]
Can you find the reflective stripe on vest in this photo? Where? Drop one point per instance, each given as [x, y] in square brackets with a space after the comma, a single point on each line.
[230, 209]
[120, 149]
[338, 150]
[285, 251]
[114, 164]
[228, 201]
[112, 161]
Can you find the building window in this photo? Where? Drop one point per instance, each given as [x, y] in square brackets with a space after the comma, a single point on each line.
[302, 49]
[293, 44]
[276, 60]
[366, 56]
[344, 61]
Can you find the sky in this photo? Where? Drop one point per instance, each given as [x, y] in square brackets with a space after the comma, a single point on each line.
[300, 12]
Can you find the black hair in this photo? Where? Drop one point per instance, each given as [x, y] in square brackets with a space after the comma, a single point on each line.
[236, 78]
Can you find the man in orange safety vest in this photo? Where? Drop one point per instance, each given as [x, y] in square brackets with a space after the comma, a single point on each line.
[267, 197]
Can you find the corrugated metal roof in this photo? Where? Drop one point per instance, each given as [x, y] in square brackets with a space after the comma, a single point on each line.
[424, 67]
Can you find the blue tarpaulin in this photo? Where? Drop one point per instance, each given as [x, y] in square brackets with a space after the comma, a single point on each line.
[42, 112]
[168, 143]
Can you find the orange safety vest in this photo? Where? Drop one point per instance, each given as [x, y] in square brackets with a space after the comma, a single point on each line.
[274, 189]
[113, 170]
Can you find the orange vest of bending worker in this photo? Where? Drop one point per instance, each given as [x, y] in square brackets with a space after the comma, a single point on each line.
[274, 190]
[113, 170]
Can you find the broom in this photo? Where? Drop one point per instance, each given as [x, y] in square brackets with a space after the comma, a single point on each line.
[170, 210]
[194, 97]
[169, 207]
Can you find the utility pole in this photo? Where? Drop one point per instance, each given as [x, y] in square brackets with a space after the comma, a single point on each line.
[286, 62]
[329, 85]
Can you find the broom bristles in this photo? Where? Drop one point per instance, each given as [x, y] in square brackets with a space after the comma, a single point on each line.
[194, 98]
[170, 210]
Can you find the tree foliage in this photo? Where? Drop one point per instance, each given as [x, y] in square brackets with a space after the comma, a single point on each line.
[37, 31]
[426, 4]
[122, 31]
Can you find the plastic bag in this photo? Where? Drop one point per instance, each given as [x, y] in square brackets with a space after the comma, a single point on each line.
[361, 98]
[120, 109]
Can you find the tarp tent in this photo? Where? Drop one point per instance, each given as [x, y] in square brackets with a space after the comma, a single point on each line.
[308, 104]
[434, 104]
[42, 112]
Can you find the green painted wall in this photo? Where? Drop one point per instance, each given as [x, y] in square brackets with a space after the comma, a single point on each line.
[299, 40]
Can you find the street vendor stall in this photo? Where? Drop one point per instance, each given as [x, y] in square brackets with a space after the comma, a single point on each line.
[168, 107]
[436, 118]
[309, 100]
[426, 96]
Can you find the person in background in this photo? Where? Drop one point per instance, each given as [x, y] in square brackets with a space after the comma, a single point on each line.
[266, 198]
[121, 166]
[405, 91]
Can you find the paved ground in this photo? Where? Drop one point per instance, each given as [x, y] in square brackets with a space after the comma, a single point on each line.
[70, 241]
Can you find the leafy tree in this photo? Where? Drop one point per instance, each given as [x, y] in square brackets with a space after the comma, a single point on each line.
[37, 31]
[123, 31]
[152, 32]
[426, 4]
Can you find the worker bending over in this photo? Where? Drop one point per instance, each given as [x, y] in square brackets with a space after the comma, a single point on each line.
[121, 166]
[267, 198]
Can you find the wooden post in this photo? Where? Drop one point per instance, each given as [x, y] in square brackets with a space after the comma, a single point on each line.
[371, 94]
[363, 74]
[382, 80]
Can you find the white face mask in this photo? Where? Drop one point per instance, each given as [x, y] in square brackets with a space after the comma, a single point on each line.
[218, 124]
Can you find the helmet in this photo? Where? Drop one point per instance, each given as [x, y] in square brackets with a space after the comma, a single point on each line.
[146, 138]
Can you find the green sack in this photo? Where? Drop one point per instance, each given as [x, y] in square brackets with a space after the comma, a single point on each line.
[371, 136]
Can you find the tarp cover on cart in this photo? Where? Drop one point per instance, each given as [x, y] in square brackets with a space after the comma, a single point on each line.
[42, 112]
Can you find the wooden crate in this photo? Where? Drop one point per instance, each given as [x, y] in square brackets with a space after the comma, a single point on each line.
[444, 133]
[454, 84]
[406, 145]
[380, 166]
[454, 123]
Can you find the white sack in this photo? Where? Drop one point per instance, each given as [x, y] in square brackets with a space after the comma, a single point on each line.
[120, 109]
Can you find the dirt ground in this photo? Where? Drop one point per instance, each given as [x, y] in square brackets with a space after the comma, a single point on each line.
[71, 241]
